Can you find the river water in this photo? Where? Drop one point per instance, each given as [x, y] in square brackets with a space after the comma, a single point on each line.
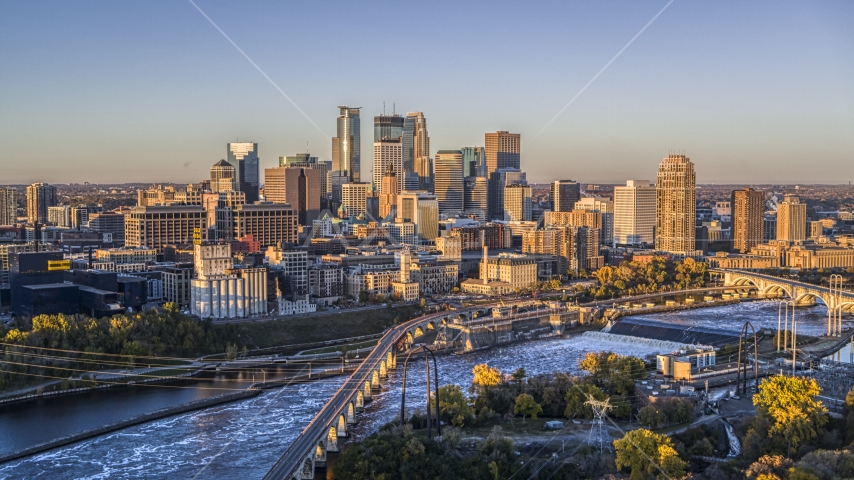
[244, 439]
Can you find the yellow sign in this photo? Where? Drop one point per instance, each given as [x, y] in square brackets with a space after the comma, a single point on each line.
[197, 236]
[53, 265]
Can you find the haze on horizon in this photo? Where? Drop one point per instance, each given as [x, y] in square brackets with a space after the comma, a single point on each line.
[151, 92]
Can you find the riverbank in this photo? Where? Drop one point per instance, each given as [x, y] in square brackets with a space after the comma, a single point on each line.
[147, 417]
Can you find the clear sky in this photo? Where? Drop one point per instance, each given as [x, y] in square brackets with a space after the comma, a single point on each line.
[755, 92]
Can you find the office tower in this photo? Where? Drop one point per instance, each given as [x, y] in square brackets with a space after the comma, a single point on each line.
[299, 187]
[675, 206]
[389, 188]
[502, 151]
[791, 220]
[388, 153]
[474, 161]
[346, 145]
[243, 156]
[108, 223]
[158, 226]
[422, 209]
[40, 196]
[748, 219]
[475, 197]
[59, 216]
[497, 181]
[8, 206]
[305, 160]
[604, 207]
[268, 223]
[517, 202]
[448, 180]
[634, 213]
[388, 127]
[416, 148]
[222, 177]
[564, 194]
[410, 181]
[353, 198]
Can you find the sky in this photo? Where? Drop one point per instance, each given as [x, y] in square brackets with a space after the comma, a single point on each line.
[753, 92]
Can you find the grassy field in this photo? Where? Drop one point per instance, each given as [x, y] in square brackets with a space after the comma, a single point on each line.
[320, 328]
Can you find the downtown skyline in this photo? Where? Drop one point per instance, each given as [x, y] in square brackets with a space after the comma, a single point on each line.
[153, 93]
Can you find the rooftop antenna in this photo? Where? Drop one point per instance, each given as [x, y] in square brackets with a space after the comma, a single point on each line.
[394, 108]
[383, 107]
[306, 146]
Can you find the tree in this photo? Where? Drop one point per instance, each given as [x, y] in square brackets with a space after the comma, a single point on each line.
[363, 296]
[519, 375]
[484, 377]
[652, 416]
[230, 352]
[647, 453]
[454, 406]
[526, 405]
[791, 405]
[576, 397]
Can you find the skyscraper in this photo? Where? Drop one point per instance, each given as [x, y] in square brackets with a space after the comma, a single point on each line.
[346, 156]
[475, 197]
[474, 161]
[791, 219]
[416, 148]
[564, 194]
[222, 177]
[354, 198]
[449, 181]
[305, 160]
[634, 213]
[497, 181]
[40, 196]
[297, 186]
[422, 209]
[675, 206]
[388, 152]
[748, 219]
[8, 205]
[389, 188]
[606, 208]
[503, 150]
[517, 202]
[243, 156]
[388, 127]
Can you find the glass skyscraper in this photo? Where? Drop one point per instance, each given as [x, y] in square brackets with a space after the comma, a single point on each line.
[474, 161]
[243, 156]
[346, 147]
[388, 127]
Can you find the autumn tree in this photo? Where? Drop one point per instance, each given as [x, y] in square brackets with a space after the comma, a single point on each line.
[454, 406]
[790, 405]
[527, 406]
[647, 453]
[484, 377]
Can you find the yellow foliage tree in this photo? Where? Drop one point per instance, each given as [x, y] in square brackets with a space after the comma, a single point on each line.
[791, 405]
[485, 376]
[647, 453]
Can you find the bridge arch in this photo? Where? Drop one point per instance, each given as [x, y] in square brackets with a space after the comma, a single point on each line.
[410, 338]
[367, 390]
[342, 425]
[332, 439]
[320, 453]
[351, 413]
[307, 470]
[431, 325]
[360, 401]
[375, 380]
[418, 331]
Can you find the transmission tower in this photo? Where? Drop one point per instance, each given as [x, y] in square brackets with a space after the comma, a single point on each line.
[600, 408]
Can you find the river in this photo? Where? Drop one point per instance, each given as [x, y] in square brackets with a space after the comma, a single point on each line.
[244, 439]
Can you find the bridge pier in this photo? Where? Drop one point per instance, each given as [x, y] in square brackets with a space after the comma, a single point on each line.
[366, 392]
[375, 380]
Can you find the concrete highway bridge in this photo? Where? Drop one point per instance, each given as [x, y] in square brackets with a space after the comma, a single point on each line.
[321, 436]
[834, 297]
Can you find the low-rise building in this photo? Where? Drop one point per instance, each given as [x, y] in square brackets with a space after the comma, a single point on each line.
[685, 364]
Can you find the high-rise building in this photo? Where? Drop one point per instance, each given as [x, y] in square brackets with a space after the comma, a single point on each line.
[389, 188]
[305, 160]
[416, 148]
[354, 198]
[634, 213]
[388, 153]
[474, 161]
[40, 196]
[476, 197]
[243, 156]
[346, 146]
[448, 181]
[59, 215]
[675, 206]
[791, 220]
[388, 127]
[422, 209]
[606, 209]
[8, 206]
[517, 203]
[268, 223]
[503, 150]
[222, 177]
[564, 194]
[748, 219]
[296, 186]
[497, 181]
